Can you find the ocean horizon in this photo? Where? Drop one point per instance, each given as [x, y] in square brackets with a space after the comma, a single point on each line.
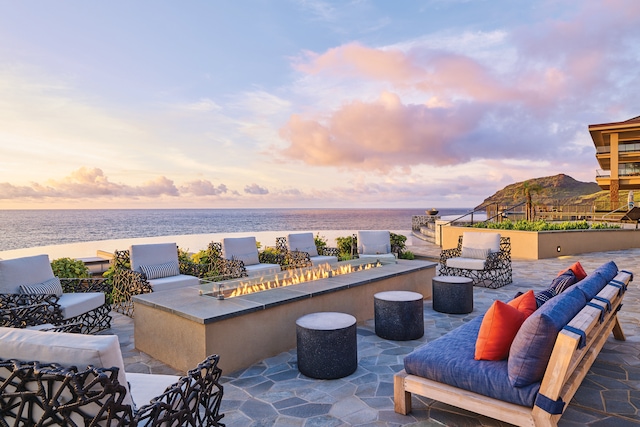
[25, 229]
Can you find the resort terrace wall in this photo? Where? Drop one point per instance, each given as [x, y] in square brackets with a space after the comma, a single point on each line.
[545, 244]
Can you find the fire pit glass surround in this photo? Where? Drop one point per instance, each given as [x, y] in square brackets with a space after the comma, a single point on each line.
[247, 285]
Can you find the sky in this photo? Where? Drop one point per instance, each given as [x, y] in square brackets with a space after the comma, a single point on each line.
[303, 103]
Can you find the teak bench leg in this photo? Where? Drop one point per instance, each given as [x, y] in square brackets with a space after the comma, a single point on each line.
[401, 398]
[617, 331]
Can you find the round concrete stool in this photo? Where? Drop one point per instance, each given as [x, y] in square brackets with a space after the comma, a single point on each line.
[327, 345]
[399, 315]
[452, 294]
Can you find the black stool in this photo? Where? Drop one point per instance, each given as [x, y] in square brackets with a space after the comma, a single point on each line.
[327, 345]
[452, 294]
[399, 315]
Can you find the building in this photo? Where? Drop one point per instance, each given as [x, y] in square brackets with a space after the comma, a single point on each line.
[618, 153]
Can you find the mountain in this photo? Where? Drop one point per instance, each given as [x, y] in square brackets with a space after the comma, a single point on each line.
[559, 189]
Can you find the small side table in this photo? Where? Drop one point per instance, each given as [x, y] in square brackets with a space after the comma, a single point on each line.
[399, 315]
[452, 294]
[327, 345]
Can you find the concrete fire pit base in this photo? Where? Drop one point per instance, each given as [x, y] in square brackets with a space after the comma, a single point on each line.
[181, 328]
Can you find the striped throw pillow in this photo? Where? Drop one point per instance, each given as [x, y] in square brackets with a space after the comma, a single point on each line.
[158, 271]
[51, 286]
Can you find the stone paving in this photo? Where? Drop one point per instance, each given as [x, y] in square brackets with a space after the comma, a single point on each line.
[274, 393]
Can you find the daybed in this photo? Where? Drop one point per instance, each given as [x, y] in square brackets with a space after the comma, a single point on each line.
[483, 257]
[300, 250]
[31, 295]
[547, 360]
[80, 380]
[148, 268]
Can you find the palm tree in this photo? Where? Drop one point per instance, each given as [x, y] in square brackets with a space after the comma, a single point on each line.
[527, 189]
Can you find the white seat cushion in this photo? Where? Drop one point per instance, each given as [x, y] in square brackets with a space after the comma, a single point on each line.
[24, 271]
[145, 387]
[152, 254]
[79, 350]
[384, 257]
[262, 269]
[374, 242]
[324, 259]
[466, 263]
[479, 240]
[303, 242]
[173, 282]
[244, 249]
[75, 304]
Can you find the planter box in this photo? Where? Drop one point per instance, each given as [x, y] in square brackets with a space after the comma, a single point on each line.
[551, 244]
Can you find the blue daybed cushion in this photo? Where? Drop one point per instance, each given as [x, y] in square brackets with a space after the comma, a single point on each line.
[450, 360]
[593, 283]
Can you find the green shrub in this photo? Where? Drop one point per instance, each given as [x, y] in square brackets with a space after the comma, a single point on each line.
[320, 241]
[542, 225]
[398, 242]
[344, 247]
[407, 255]
[69, 268]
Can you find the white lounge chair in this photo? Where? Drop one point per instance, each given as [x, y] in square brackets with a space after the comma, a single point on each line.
[375, 244]
[304, 242]
[245, 249]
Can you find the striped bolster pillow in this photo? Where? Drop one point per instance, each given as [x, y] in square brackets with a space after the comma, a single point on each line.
[158, 271]
[51, 286]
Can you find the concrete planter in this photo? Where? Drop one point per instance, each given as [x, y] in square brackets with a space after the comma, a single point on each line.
[551, 244]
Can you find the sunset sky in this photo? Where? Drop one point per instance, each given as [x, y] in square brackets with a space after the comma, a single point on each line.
[303, 103]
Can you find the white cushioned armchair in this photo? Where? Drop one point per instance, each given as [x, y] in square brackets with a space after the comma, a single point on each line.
[375, 244]
[56, 377]
[300, 250]
[148, 268]
[483, 257]
[245, 249]
[31, 295]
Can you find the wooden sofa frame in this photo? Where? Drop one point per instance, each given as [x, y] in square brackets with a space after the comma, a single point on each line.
[576, 348]
[497, 271]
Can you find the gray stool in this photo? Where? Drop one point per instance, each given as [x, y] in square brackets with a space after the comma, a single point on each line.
[327, 345]
[399, 315]
[452, 294]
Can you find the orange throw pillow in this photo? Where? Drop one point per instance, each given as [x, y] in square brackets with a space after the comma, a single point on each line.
[525, 303]
[498, 329]
[577, 270]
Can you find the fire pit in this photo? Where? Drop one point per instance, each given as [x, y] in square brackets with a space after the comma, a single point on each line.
[245, 286]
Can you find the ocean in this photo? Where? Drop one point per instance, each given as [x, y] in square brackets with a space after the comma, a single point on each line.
[34, 228]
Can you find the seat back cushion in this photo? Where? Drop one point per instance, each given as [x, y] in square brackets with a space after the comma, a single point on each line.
[593, 283]
[372, 242]
[30, 270]
[152, 255]
[66, 349]
[243, 249]
[302, 242]
[531, 348]
[479, 240]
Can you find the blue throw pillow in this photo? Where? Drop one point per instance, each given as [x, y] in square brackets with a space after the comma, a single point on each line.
[544, 296]
[532, 346]
[563, 281]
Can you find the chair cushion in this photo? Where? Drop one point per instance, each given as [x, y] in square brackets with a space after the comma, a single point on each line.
[152, 254]
[145, 387]
[75, 304]
[481, 240]
[532, 346]
[157, 271]
[263, 269]
[373, 239]
[385, 257]
[593, 284]
[323, 259]
[24, 271]
[66, 349]
[51, 286]
[244, 249]
[476, 253]
[303, 242]
[173, 282]
[466, 263]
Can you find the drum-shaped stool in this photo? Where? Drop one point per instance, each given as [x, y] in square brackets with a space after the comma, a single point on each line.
[327, 345]
[399, 315]
[452, 294]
